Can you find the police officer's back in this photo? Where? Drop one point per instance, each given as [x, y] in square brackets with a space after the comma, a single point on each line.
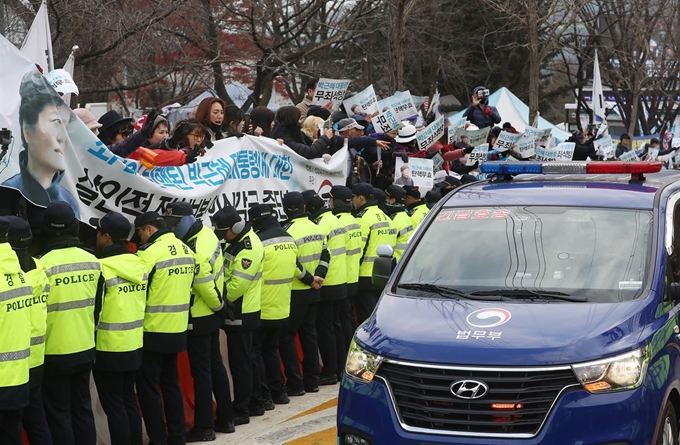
[120, 329]
[33, 416]
[75, 287]
[15, 340]
[170, 265]
[208, 310]
[340, 200]
[376, 229]
[402, 222]
[280, 266]
[314, 257]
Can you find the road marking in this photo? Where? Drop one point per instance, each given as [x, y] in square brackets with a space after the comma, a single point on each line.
[330, 404]
[325, 437]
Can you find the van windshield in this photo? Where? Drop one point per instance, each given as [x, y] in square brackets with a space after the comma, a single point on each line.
[586, 254]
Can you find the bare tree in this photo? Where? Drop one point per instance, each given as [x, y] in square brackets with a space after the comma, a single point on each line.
[544, 22]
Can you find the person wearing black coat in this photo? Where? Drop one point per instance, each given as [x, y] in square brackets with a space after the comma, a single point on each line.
[287, 128]
[479, 112]
[584, 149]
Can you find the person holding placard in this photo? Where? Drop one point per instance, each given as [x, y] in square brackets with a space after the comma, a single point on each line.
[584, 148]
[479, 112]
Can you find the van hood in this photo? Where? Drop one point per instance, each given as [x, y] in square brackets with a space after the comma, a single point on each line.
[501, 333]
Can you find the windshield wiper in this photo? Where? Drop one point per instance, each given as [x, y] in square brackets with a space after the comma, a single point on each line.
[449, 291]
[531, 293]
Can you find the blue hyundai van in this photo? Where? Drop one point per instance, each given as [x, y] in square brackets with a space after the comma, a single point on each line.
[537, 307]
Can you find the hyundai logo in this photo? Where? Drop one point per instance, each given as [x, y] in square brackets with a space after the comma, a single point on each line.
[469, 389]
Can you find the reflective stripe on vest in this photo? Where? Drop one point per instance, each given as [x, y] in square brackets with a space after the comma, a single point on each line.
[309, 239]
[78, 304]
[277, 282]
[35, 341]
[278, 240]
[16, 293]
[309, 258]
[174, 262]
[15, 355]
[118, 280]
[338, 251]
[353, 252]
[120, 326]
[167, 308]
[73, 267]
[245, 276]
[206, 279]
[405, 230]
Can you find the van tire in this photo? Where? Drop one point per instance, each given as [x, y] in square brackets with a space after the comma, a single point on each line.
[668, 432]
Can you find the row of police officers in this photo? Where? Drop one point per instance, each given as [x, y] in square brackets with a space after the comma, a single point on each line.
[123, 317]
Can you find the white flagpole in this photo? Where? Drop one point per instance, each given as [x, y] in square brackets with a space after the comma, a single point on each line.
[69, 67]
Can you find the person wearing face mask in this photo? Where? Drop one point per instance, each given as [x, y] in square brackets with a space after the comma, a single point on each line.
[43, 118]
[210, 113]
[208, 312]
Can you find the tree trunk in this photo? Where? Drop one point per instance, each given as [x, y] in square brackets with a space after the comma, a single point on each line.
[633, 114]
[267, 88]
[213, 54]
[396, 37]
[534, 63]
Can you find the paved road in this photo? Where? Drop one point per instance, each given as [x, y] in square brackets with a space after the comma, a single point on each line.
[307, 420]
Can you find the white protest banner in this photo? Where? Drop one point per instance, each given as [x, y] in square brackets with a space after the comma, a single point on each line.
[62, 82]
[437, 163]
[417, 172]
[328, 90]
[605, 147]
[543, 154]
[629, 156]
[431, 134]
[526, 146]
[479, 154]
[386, 121]
[540, 137]
[64, 161]
[474, 137]
[401, 103]
[506, 140]
[565, 151]
[364, 103]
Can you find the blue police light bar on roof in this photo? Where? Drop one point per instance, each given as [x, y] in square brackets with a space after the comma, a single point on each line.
[597, 167]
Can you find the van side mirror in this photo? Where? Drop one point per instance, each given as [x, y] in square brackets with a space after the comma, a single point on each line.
[382, 267]
[674, 292]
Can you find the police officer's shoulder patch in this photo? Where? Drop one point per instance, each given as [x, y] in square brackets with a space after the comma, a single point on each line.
[247, 244]
[360, 214]
[245, 263]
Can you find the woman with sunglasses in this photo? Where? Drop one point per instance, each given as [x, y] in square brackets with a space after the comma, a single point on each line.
[120, 136]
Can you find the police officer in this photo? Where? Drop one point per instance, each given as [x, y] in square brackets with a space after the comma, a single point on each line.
[415, 206]
[120, 331]
[402, 222]
[171, 266]
[334, 290]
[16, 294]
[376, 229]
[280, 266]
[432, 198]
[340, 200]
[76, 286]
[33, 418]
[314, 257]
[243, 263]
[208, 311]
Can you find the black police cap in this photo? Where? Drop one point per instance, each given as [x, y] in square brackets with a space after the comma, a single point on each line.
[293, 201]
[148, 218]
[308, 195]
[396, 192]
[114, 224]
[363, 189]
[59, 216]
[225, 219]
[20, 234]
[179, 209]
[340, 192]
[260, 211]
[4, 228]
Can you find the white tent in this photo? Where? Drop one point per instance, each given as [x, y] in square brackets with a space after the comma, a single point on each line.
[513, 110]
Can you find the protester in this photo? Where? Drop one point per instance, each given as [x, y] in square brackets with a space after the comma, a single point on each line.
[88, 119]
[287, 128]
[623, 146]
[310, 128]
[160, 131]
[234, 121]
[262, 122]
[183, 147]
[306, 103]
[210, 114]
[479, 112]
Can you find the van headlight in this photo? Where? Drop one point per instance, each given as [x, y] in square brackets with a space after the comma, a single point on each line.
[361, 364]
[625, 371]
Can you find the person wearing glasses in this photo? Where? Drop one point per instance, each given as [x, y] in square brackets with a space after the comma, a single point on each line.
[119, 135]
[184, 146]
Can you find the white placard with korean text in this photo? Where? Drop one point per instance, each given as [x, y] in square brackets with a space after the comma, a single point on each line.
[506, 141]
[418, 172]
[330, 90]
[431, 134]
[364, 103]
[479, 154]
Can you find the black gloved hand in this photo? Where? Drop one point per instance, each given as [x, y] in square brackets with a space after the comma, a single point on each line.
[404, 157]
[147, 129]
[227, 311]
[207, 141]
[181, 131]
[192, 155]
[467, 150]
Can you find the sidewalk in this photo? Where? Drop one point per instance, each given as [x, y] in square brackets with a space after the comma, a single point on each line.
[307, 420]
